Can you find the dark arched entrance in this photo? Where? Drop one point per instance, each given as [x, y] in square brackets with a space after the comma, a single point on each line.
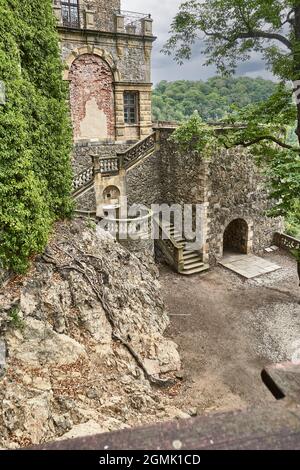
[235, 239]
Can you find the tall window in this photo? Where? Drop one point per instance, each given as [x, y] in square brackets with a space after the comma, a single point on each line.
[70, 13]
[131, 107]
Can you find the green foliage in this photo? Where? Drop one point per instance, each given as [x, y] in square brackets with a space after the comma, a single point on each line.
[213, 99]
[232, 30]
[35, 131]
[296, 254]
[292, 223]
[91, 224]
[195, 134]
[15, 319]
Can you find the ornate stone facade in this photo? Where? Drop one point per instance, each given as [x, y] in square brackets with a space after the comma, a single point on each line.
[107, 53]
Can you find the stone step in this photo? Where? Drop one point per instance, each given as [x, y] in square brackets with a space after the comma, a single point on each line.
[193, 264]
[178, 238]
[192, 261]
[186, 251]
[190, 255]
[189, 272]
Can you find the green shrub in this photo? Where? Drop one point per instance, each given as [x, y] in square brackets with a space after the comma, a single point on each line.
[15, 319]
[35, 131]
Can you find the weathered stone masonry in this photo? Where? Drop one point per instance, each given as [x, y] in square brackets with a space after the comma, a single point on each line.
[123, 42]
[92, 98]
[107, 54]
[229, 186]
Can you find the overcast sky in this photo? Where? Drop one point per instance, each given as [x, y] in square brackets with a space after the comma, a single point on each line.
[164, 68]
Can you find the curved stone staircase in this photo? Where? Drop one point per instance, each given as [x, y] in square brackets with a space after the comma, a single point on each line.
[189, 261]
[170, 242]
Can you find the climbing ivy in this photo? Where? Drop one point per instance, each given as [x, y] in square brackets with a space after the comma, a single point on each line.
[35, 131]
[195, 134]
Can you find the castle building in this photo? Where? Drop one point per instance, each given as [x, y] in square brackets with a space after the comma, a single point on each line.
[107, 53]
[118, 153]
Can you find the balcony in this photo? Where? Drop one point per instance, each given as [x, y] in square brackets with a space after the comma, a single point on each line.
[130, 22]
[69, 15]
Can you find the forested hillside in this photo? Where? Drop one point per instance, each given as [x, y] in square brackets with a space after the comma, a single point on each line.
[175, 101]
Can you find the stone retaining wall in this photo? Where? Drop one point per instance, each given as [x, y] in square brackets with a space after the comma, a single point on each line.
[229, 186]
[237, 190]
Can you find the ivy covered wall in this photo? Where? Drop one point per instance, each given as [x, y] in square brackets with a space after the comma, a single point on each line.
[35, 131]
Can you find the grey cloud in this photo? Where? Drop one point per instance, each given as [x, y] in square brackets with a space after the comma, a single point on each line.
[165, 68]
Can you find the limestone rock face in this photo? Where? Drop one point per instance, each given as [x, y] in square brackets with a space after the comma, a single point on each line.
[66, 373]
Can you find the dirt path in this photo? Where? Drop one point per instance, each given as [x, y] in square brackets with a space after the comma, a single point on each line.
[228, 329]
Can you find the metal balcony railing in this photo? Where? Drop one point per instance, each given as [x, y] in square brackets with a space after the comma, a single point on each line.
[70, 13]
[133, 21]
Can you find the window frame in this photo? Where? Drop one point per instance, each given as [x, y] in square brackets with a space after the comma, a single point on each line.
[131, 108]
[68, 5]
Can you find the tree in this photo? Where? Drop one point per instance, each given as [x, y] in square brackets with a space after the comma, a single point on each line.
[212, 99]
[232, 30]
[35, 132]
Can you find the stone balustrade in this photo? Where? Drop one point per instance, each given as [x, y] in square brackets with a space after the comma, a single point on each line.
[286, 242]
[83, 179]
[125, 22]
[132, 228]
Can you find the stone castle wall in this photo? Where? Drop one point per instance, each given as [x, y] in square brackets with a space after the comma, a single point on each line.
[182, 176]
[143, 184]
[82, 159]
[237, 189]
[104, 12]
[131, 55]
[96, 14]
[167, 177]
[83, 151]
[229, 186]
[106, 54]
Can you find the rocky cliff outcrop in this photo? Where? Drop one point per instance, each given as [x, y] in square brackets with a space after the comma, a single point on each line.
[83, 333]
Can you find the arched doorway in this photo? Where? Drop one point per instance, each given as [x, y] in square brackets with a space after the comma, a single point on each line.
[92, 98]
[235, 238]
[111, 195]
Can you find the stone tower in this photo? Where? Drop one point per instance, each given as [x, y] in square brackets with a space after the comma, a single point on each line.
[107, 53]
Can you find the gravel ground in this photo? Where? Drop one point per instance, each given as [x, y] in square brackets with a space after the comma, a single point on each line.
[228, 329]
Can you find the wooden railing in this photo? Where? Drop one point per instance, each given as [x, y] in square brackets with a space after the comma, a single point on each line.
[286, 242]
[168, 246]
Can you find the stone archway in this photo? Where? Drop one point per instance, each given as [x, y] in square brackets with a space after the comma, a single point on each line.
[111, 195]
[92, 98]
[236, 237]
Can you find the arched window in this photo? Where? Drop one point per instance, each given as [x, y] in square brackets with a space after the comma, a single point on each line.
[70, 13]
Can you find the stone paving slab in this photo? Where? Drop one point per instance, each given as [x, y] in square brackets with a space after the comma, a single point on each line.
[248, 266]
